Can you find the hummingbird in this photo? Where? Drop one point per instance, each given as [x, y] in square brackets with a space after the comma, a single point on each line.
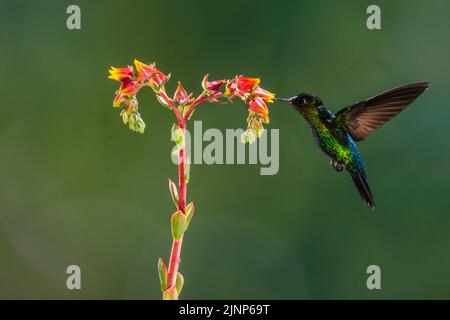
[336, 134]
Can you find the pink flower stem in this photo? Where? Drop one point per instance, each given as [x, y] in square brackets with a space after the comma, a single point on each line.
[164, 96]
[175, 254]
[199, 101]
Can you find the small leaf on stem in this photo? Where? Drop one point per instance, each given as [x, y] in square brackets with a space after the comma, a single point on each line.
[173, 192]
[178, 136]
[175, 153]
[162, 271]
[178, 224]
[190, 209]
[179, 283]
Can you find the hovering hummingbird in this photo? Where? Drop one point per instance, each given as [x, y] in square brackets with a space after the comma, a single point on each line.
[336, 133]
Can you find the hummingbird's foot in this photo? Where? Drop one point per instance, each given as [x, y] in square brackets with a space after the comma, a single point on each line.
[337, 165]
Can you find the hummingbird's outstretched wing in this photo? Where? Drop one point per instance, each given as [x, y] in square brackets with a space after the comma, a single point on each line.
[362, 118]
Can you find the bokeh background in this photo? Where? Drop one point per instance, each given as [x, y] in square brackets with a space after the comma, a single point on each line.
[77, 187]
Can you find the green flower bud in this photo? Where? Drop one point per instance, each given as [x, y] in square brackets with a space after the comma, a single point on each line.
[249, 136]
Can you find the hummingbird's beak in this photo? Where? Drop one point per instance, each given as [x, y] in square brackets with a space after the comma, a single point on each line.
[283, 100]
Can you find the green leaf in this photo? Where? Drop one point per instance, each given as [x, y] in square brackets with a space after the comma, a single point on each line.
[178, 224]
[162, 271]
[178, 136]
[175, 153]
[190, 209]
[179, 283]
[186, 109]
[173, 192]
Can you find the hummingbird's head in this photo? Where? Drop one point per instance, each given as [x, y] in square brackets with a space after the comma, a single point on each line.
[302, 100]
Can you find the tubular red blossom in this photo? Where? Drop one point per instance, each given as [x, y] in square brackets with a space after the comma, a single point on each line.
[144, 71]
[158, 78]
[246, 84]
[215, 85]
[128, 88]
[212, 86]
[121, 74]
[259, 92]
[118, 99]
[258, 106]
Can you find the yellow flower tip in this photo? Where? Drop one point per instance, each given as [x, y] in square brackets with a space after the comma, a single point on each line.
[111, 73]
[121, 74]
[138, 64]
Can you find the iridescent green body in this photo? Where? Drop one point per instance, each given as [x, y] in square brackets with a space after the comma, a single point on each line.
[333, 139]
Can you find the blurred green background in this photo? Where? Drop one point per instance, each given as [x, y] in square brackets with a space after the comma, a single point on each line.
[77, 187]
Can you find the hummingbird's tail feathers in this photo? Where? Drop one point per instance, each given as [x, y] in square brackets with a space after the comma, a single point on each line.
[362, 185]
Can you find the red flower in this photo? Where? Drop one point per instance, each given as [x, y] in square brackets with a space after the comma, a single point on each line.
[245, 84]
[121, 74]
[258, 106]
[144, 71]
[259, 92]
[158, 78]
[118, 99]
[213, 86]
[127, 88]
[240, 86]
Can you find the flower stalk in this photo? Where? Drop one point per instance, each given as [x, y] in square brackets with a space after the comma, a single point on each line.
[183, 106]
[175, 253]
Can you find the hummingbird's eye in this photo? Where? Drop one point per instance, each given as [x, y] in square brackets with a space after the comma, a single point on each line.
[300, 100]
